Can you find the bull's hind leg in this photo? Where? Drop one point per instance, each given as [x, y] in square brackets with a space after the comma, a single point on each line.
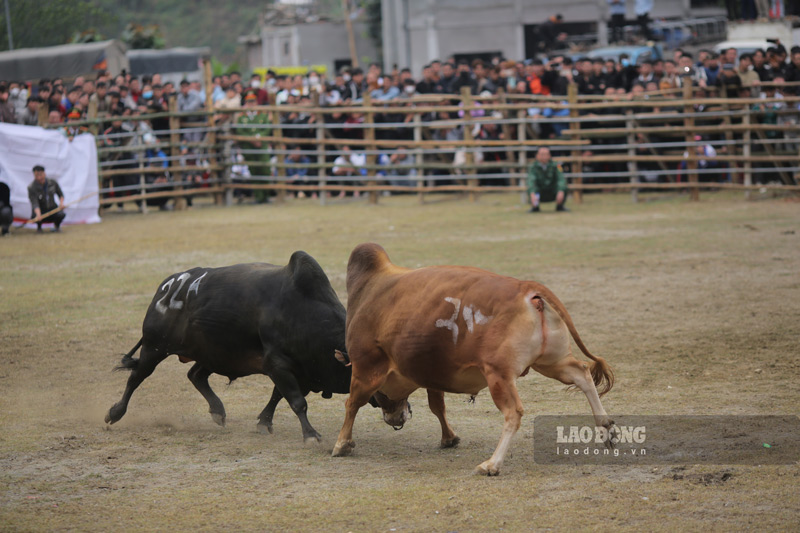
[362, 386]
[505, 396]
[140, 369]
[265, 418]
[436, 403]
[570, 371]
[198, 375]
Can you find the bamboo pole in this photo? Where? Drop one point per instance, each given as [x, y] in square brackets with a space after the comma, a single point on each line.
[688, 124]
[61, 208]
[174, 139]
[419, 158]
[322, 174]
[142, 182]
[621, 186]
[577, 166]
[369, 135]
[632, 167]
[466, 99]
[523, 153]
[281, 170]
[351, 38]
[92, 114]
[211, 135]
[748, 173]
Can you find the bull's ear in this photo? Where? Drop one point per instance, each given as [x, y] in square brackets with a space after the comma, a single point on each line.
[306, 273]
[341, 357]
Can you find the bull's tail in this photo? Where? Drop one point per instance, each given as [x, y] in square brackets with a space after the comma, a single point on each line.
[128, 362]
[602, 375]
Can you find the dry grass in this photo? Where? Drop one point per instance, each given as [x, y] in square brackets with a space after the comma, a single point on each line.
[686, 301]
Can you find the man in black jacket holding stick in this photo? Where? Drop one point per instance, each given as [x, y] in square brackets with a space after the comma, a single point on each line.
[42, 192]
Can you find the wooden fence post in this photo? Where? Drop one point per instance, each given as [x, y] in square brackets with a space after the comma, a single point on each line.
[281, 147]
[506, 128]
[726, 121]
[369, 135]
[577, 165]
[43, 116]
[91, 115]
[746, 150]
[322, 173]
[211, 140]
[466, 101]
[175, 149]
[688, 124]
[523, 152]
[632, 166]
[419, 157]
[142, 182]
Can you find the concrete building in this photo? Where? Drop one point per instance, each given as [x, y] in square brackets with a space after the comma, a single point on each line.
[295, 33]
[418, 31]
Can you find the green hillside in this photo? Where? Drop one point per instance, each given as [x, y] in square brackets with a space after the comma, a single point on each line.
[217, 24]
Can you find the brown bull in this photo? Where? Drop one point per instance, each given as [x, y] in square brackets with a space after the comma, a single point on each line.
[455, 329]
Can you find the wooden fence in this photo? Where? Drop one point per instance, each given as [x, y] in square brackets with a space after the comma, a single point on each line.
[465, 144]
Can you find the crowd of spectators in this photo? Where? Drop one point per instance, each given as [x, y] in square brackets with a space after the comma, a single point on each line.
[122, 98]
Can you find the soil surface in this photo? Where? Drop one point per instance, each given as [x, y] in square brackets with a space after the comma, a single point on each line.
[695, 306]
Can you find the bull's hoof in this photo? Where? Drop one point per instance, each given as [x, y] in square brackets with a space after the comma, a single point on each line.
[343, 448]
[451, 443]
[218, 418]
[114, 414]
[487, 468]
[312, 439]
[264, 427]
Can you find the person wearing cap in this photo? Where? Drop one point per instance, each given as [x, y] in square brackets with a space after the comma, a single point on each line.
[251, 124]
[42, 192]
[546, 182]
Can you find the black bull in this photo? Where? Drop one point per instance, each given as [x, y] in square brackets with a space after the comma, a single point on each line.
[285, 322]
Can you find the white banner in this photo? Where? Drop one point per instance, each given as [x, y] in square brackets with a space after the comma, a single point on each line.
[72, 164]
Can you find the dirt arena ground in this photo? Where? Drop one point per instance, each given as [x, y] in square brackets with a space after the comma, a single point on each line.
[695, 305]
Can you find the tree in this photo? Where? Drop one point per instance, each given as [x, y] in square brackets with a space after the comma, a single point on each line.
[51, 22]
[137, 36]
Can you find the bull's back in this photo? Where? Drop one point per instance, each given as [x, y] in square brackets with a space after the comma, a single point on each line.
[437, 323]
[205, 309]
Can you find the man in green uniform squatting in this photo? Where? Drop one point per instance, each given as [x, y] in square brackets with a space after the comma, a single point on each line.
[258, 161]
[546, 182]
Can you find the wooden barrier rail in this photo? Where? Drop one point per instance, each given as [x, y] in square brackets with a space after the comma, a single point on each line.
[747, 132]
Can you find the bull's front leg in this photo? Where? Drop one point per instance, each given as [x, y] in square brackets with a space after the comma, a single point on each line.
[369, 374]
[280, 373]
